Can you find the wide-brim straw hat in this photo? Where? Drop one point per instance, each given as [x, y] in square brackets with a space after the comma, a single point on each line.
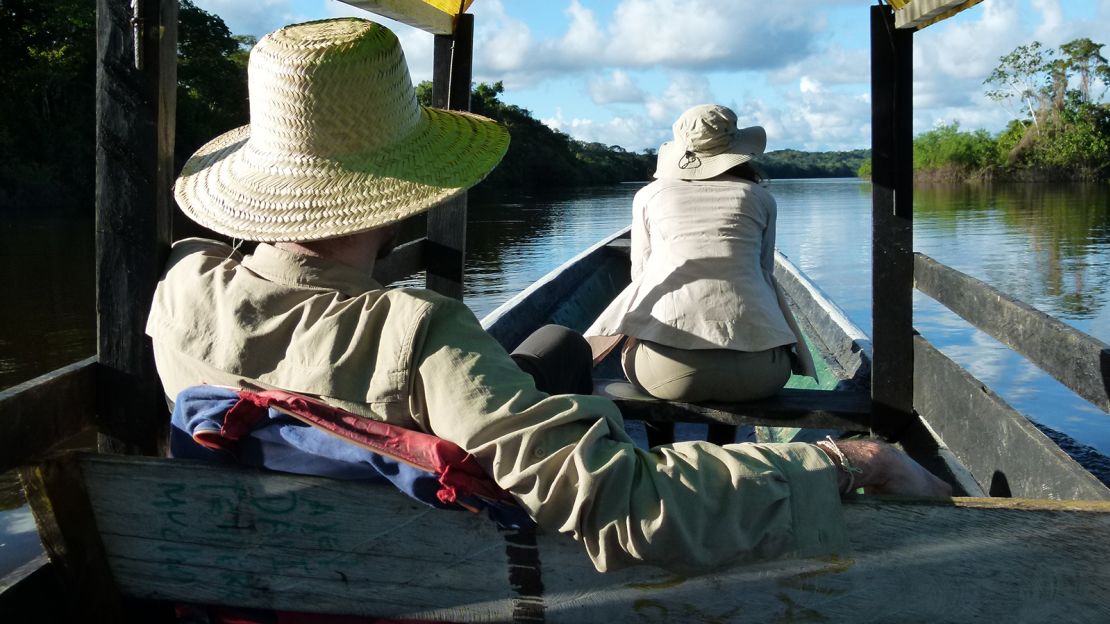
[337, 142]
[707, 143]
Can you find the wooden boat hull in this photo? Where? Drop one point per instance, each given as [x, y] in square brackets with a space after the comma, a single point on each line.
[188, 531]
[575, 294]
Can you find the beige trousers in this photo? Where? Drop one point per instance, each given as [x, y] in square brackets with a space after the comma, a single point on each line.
[693, 375]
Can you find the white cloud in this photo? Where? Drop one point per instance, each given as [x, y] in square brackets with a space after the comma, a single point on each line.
[733, 34]
[617, 87]
[649, 130]
[952, 60]
[835, 65]
[501, 46]
[632, 133]
[814, 118]
[251, 18]
[580, 40]
[696, 34]
[684, 91]
[1052, 18]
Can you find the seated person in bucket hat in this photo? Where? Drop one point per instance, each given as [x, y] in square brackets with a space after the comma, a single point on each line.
[337, 152]
[703, 316]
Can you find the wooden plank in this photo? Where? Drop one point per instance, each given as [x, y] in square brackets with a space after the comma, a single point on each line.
[445, 250]
[412, 12]
[37, 414]
[1001, 448]
[404, 261]
[67, 526]
[892, 222]
[918, 14]
[1073, 358]
[810, 409]
[188, 531]
[135, 111]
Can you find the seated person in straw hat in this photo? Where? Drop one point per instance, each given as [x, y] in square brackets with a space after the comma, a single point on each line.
[339, 151]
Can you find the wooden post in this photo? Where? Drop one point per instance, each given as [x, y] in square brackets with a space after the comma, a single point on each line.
[445, 252]
[892, 222]
[135, 108]
[60, 503]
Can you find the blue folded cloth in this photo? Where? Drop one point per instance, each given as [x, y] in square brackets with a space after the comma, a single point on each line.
[283, 443]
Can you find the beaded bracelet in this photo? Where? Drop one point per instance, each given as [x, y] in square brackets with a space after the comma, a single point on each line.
[828, 444]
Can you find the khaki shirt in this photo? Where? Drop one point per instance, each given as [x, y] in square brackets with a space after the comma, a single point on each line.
[703, 260]
[417, 359]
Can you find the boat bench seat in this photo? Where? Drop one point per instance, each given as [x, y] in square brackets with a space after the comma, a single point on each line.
[807, 409]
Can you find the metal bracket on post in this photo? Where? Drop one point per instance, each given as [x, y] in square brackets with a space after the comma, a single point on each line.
[138, 28]
[446, 247]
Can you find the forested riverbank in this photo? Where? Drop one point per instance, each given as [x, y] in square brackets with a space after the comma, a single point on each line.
[1060, 130]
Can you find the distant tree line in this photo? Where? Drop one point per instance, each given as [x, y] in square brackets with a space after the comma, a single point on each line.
[795, 164]
[1061, 129]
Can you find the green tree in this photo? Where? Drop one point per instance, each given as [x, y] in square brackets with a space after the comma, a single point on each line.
[1020, 76]
[797, 164]
[211, 79]
[1084, 57]
[947, 147]
[47, 114]
[540, 156]
[1069, 135]
[47, 117]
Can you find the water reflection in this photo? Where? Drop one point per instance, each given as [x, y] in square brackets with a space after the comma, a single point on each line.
[1048, 246]
[47, 321]
[516, 238]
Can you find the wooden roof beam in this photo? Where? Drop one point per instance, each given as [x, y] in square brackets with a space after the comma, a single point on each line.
[417, 14]
[918, 14]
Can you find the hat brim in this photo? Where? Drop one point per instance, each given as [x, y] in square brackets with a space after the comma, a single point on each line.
[229, 187]
[672, 162]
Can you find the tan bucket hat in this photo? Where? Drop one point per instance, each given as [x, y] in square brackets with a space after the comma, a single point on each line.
[707, 143]
[337, 142]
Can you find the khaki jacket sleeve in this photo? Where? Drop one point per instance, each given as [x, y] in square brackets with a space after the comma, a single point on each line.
[569, 462]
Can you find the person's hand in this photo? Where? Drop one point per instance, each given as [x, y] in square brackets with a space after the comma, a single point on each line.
[882, 469]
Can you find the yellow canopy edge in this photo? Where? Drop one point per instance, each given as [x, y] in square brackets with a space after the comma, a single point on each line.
[434, 16]
[438, 16]
[453, 7]
[918, 14]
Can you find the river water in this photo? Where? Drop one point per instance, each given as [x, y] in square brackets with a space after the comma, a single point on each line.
[1048, 246]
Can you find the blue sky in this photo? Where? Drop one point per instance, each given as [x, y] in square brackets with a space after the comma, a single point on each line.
[620, 71]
